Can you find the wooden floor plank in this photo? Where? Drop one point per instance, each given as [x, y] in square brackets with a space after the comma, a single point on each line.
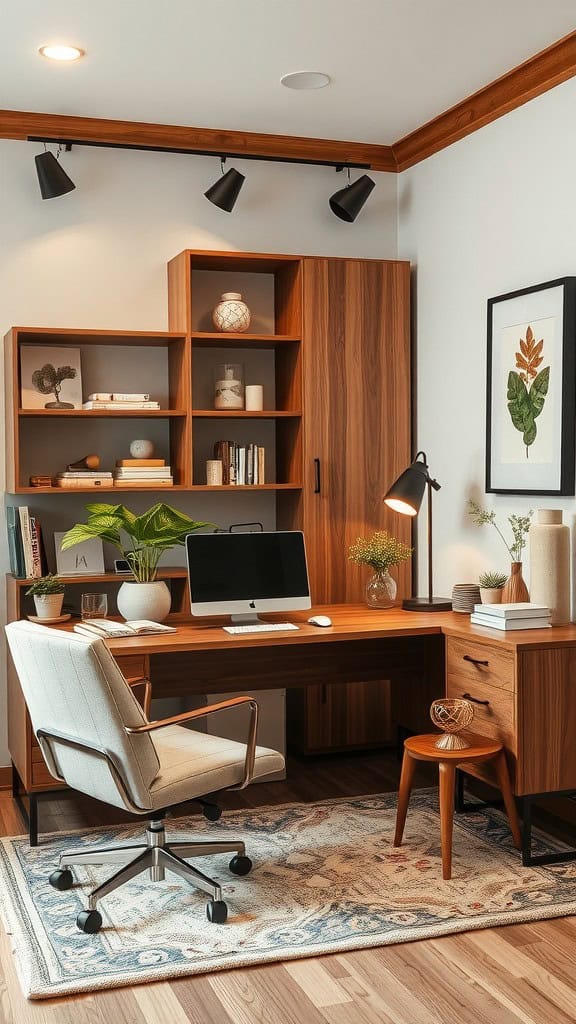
[316, 982]
[264, 994]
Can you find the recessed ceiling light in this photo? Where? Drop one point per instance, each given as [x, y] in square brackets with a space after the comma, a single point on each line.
[61, 52]
[305, 80]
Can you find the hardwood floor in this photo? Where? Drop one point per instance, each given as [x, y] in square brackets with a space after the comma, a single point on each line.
[525, 974]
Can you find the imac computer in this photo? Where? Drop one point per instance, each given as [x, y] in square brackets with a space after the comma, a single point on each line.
[241, 574]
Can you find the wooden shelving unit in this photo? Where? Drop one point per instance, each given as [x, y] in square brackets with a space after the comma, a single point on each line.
[272, 287]
[40, 441]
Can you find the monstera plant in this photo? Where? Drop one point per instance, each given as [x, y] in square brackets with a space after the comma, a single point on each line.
[141, 540]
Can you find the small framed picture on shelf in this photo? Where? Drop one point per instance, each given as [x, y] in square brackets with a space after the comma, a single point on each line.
[85, 559]
[530, 403]
[50, 377]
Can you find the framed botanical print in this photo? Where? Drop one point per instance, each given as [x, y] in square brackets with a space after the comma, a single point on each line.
[530, 395]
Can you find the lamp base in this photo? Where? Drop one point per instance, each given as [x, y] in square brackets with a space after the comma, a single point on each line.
[422, 604]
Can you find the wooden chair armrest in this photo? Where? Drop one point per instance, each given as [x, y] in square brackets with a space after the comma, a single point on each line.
[190, 716]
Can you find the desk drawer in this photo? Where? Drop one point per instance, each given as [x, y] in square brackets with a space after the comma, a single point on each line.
[475, 663]
[494, 719]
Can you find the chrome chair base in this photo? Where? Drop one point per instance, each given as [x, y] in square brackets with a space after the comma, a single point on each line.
[156, 856]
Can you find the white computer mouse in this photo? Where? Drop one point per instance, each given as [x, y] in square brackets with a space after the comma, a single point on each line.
[320, 620]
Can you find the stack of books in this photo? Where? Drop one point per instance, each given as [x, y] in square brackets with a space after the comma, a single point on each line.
[25, 547]
[119, 400]
[241, 464]
[72, 478]
[153, 473]
[523, 615]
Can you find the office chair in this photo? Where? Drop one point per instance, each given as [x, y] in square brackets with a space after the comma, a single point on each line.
[96, 738]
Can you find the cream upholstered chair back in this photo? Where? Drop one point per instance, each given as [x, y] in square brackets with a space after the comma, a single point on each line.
[73, 687]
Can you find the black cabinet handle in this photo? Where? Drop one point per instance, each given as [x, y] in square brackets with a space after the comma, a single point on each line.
[475, 661]
[317, 476]
[468, 696]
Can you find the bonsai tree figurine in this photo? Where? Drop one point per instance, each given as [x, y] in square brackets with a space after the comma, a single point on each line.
[48, 380]
[380, 551]
[141, 540]
[48, 594]
[491, 584]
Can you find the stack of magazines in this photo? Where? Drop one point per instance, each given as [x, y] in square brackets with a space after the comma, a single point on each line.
[523, 615]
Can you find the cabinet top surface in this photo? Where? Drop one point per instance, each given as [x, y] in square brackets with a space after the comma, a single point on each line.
[349, 622]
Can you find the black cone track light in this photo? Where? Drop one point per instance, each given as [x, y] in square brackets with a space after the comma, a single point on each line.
[348, 201]
[52, 177]
[224, 192]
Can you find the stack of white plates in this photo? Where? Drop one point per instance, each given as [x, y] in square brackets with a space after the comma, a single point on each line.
[465, 596]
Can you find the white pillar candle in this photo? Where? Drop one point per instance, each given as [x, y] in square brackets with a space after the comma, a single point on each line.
[214, 472]
[254, 397]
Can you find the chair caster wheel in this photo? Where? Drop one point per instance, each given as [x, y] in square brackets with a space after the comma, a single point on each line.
[61, 879]
[240, 865]
[212, 812]
[217, 912]
[89, 921]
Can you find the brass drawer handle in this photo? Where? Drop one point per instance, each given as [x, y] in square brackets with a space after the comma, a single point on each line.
[468, 696]
[475, 661]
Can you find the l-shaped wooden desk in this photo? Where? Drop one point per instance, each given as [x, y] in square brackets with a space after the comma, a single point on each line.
[522, 683]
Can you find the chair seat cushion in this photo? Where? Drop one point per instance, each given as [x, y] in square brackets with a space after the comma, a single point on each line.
[194, 764]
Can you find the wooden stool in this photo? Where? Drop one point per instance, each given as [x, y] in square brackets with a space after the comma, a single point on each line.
[422, 748]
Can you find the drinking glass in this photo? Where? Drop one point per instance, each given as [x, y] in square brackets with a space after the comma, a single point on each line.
[94, 606]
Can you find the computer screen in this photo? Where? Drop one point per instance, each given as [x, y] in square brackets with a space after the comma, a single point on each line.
[241, 574]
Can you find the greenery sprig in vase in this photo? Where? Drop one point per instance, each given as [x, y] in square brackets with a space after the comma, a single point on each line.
[141, 540]
[515, 589]
[380, 551]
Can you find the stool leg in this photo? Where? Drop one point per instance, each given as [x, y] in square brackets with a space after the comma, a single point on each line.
[406, 777]
[508, 797]
[447, 780]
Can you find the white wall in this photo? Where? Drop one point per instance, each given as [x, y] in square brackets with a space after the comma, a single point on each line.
[490, 214]
[97, 258]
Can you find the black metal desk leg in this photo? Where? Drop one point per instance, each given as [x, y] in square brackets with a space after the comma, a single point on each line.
[33, 819]
[30, 814]
[526, 831]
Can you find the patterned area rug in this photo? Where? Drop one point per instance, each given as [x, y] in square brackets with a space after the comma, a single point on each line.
[326, 878]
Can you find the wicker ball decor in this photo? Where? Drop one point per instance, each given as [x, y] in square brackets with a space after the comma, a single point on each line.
[452, 715]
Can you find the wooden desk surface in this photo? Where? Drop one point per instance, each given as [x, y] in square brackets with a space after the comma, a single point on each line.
[349, 622]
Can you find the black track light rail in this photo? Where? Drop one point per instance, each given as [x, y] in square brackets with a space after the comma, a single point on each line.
[237, 155]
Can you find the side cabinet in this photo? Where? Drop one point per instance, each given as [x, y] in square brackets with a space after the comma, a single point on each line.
[356, 440]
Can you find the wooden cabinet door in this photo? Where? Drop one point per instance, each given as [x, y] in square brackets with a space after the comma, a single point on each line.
[356, 351]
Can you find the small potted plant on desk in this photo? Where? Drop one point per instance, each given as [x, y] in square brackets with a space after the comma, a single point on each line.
[48, 594]
[491, 585]
[380, 551]
[141, 541]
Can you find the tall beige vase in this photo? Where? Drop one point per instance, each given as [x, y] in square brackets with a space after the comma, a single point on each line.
[550, 564]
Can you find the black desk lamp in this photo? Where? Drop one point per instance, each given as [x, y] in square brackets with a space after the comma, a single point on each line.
[405, 496]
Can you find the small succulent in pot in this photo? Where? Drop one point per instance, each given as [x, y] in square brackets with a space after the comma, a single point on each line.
[491, 586]
[48, 594]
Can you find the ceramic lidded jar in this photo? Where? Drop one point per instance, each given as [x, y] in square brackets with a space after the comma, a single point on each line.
[231, 314]
[550, 564]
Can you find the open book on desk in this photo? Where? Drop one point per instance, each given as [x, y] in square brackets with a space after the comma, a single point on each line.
[110, 629]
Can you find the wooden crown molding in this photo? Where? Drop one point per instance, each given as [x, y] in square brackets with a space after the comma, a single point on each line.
[15, 124]
[535, 76]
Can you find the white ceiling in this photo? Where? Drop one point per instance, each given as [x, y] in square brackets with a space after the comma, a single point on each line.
[217, 63]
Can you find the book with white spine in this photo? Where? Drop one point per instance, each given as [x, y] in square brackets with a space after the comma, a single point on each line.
[519, 610]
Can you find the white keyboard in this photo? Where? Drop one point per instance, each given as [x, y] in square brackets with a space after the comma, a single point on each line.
[261, 627]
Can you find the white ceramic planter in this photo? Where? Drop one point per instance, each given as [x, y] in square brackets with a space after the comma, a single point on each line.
[491, 595]
[144, 601]
[48, 606]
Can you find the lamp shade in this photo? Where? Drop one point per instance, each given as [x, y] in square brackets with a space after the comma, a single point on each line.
[406, 493]
[347, 202]
[52, 177]
[224, 192]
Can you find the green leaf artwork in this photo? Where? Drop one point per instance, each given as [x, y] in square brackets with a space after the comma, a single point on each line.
[527, 388]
